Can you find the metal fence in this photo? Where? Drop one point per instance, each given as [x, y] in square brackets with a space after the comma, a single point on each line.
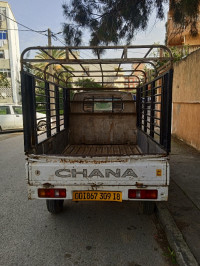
[45, 105]
[154, 103]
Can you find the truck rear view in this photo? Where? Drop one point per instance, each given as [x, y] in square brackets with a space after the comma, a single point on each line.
[107, 127]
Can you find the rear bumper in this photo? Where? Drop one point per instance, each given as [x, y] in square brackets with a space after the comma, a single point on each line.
[162, 191]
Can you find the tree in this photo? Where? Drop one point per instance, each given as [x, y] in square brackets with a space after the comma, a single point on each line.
[110, 21]
[57, 69]
[177, 54]
[4, 82]
[87, 83]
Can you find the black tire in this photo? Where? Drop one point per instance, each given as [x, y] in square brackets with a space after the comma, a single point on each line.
[41, 126]
[54, 206]
[147, 207]
[1, 129]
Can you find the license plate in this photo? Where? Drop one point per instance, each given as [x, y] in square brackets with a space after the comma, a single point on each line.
[97, 196]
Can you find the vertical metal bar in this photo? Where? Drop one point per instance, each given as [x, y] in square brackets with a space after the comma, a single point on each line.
[166, 78]
[163, 110]
[29, 111]
[102, 78]
[66, 107]
[57, 109]
[26, 112]
[138, 107]
[48, 111]
[145, 107]
[93, 104]
[33, 109]
[169, 111]
[112, 104]
[152, 120]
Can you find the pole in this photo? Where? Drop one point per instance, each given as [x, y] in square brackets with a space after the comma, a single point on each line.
[49, 38]
[51, 79]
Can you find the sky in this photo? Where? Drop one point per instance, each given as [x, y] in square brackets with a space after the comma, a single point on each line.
[43, 14]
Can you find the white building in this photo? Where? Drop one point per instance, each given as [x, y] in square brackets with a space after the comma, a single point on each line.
[9, 54]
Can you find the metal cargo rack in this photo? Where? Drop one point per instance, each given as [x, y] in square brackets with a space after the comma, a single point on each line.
[49, 81]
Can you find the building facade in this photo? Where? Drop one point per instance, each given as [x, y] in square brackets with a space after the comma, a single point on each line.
[9, 55]
[176, 36]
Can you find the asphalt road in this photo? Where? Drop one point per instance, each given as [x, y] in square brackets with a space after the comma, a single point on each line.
[84, 234]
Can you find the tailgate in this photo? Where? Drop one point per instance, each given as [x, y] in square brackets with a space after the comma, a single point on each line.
[106, 171]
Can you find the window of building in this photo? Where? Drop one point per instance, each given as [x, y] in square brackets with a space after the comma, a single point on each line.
[6, 72]
[2, 55]
[3, 34]
[2, 13]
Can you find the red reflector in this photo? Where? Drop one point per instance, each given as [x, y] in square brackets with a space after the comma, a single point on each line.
[51, 193]
[142, 194]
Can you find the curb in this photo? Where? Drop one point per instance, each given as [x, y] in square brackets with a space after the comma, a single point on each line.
[183, 254]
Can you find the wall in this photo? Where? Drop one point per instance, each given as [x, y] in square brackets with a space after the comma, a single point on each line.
[175, 36]
[10, 63]
[186, 100]
[14, 51]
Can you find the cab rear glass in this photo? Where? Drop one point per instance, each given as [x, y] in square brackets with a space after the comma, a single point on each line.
[99, 105]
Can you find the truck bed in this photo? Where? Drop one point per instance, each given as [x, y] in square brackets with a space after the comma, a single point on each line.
[101, 150]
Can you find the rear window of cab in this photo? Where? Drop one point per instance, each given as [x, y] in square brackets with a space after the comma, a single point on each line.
[100, 105]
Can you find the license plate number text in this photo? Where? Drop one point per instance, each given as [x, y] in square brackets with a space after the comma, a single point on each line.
[97, 196]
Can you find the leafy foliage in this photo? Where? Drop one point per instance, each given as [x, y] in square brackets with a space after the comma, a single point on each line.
[185, 14]
[171, 254]
[110, 21]
[57, 70]
[4, 82]
[87, 83]
[178, 53]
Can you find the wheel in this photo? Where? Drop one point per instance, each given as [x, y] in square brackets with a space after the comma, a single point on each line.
[41, 126]
[147, 207]
[1, 129]
[54, 206]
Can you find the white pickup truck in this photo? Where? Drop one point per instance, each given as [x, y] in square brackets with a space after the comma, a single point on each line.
[11, 118]
[105, 146]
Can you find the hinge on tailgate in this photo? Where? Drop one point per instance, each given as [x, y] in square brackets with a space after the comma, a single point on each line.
[95, 185]
[47, 185]
[140, 185]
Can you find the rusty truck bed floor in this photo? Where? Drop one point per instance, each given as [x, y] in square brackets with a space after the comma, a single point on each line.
[100, 150]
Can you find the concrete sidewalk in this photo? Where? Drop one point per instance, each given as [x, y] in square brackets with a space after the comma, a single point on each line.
[184, 193]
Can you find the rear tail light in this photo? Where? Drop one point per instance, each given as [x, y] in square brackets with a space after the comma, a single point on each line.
[142, 194]
[51, 193]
